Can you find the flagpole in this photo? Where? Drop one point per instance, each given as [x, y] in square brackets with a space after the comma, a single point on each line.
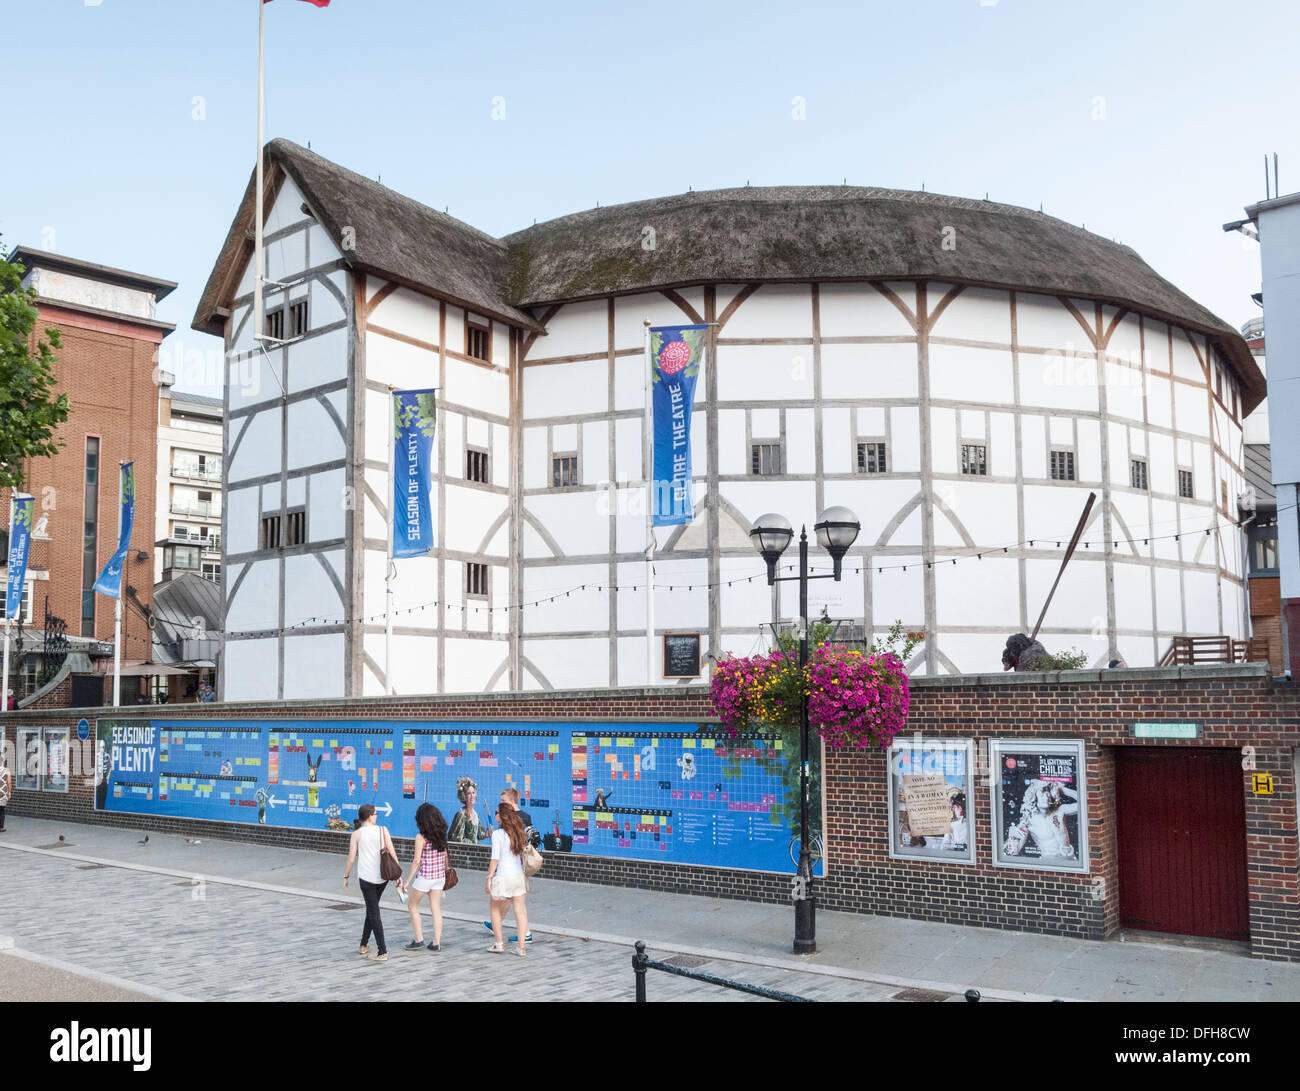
[117, 609]
[8, 619]
[389, 573]
[649, 514]
[257, 215]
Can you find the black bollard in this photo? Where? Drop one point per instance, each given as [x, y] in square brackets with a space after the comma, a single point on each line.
[639, 961]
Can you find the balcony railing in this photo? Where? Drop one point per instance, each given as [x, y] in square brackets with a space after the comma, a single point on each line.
[192, 472]
[205, 509]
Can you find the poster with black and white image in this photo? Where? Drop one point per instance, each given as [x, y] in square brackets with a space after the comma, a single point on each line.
[1039, 803]
[28, 759]
[929, 800]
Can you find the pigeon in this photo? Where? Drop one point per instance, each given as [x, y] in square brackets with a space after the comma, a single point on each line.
[145, 841]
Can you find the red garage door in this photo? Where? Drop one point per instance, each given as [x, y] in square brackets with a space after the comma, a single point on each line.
[1181, 828]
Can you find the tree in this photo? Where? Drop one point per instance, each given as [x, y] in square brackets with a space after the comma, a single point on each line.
[30, 410]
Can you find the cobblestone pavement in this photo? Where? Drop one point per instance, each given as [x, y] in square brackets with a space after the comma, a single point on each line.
[217, 942]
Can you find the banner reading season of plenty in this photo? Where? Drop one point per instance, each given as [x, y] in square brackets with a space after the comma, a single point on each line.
[20, 537]
[413, 430]
[675, 356]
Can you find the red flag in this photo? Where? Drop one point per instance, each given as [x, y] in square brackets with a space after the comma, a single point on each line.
[318, 3]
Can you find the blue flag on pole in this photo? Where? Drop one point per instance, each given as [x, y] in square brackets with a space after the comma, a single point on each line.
[20, 538]
[110, 580]
[675, 356]
[413, 429]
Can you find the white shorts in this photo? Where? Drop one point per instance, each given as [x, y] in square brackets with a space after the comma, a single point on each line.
[508, 886]
[423, 884]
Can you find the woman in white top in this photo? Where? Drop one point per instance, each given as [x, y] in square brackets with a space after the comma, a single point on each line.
[506, 882]
[368, 838]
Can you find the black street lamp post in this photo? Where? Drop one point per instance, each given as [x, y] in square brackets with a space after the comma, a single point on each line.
[836, 531]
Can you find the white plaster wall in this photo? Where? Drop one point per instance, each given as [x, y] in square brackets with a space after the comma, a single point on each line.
[575, 330]
[313, 666]
[865, 372]
[567, 664]
[314, 435]
[763, 372]
[256, 605]
[241, 520]
[250, 668]
[775, 310]
[476, 387]
[399, 364]
[562, 390]
[971, 375]
[850, 310]
[977, 314]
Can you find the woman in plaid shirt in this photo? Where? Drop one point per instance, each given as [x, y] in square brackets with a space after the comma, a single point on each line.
[428, 873]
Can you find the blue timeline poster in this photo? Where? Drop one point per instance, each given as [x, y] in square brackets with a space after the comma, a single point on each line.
[672, 792]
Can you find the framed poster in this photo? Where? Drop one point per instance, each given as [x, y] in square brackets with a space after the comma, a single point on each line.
[28, 771]
[1039, 803]
[929, 800]
[55, 749]
[681, 655]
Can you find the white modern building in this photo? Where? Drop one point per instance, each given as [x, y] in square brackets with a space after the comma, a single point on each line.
[960, 374]
[188, 509]
[1277, 221]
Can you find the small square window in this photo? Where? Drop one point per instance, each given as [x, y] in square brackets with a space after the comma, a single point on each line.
[1185, 484]
[871, 458]
[1062, 465]
[295, 528]
[765, 459]
[298, 318]
[476, 465]
[269, 535]
[564, 471]
[478, 342]
[1138, 473]
[273, 323]
[974, 459]
[476, 580]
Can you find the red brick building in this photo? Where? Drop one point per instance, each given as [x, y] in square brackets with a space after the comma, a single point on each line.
[106, 366]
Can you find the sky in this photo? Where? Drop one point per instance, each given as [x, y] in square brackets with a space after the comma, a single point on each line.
[131, 124]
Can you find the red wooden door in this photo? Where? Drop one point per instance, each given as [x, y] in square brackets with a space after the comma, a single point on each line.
[1181, 829]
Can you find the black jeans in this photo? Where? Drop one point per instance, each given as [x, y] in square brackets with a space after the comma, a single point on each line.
[2, 818]
[372, 892]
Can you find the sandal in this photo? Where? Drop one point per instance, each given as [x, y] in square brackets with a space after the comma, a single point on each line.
[497, 948]
[521, 952]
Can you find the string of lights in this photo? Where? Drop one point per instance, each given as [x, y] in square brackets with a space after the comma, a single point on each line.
[963, 554]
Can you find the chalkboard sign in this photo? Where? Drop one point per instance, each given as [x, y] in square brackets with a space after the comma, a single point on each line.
[681, 655]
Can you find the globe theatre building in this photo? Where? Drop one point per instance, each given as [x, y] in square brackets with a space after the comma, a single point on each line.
[959, 373]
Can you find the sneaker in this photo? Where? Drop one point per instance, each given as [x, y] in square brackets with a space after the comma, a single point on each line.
[528, 938]
[363, 950]
[487, 925]
[414, 945]
[496, 948]
[380, 958]
[435, 947]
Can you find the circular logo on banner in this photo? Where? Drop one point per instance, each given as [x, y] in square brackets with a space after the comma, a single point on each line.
[674, 356]
[83, 729]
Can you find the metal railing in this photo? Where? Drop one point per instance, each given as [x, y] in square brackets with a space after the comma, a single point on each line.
[205, 509]
[642, 963]
[193, 473]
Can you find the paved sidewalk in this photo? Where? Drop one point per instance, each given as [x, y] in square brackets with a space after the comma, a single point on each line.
[228, 920]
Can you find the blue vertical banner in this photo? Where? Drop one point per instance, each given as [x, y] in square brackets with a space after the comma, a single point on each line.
[676, 353]
[20, 540]
[110, 580]
[413, 430]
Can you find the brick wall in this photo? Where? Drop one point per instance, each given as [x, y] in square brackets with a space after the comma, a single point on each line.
[1235, 707]
[106, 368]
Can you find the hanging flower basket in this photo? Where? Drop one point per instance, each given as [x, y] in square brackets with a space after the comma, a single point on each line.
[854, 699]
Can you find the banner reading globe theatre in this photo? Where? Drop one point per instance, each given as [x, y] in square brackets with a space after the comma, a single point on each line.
[675, 355]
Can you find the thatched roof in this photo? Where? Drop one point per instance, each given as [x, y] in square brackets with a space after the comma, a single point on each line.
[781, 233]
